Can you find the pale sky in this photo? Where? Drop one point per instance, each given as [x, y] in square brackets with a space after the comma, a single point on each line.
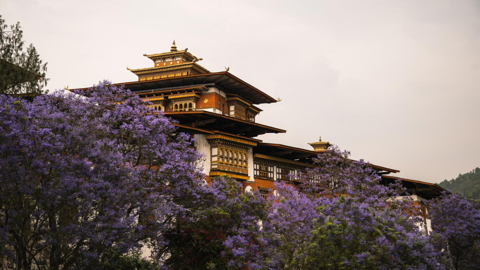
[397, 83]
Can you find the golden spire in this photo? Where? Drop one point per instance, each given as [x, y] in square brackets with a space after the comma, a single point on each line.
[320, 146]
[174, 47]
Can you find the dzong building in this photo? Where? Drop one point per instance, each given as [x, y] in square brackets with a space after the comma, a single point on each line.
[219, 110]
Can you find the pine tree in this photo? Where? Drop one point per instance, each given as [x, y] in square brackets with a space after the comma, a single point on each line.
[21, 69]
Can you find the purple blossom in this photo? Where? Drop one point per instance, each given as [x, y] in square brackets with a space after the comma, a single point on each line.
[344, 218]
[82, 175]
[456, 221]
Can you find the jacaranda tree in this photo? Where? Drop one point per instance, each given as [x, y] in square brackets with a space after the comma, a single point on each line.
[221, 231]
[82, 177]
[87, 181]
[345, 219]
[456, 220]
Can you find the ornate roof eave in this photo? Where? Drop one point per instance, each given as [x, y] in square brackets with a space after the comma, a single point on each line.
[192, 129]
[193, 65]
[169, 54]
[283, 160]
[216, 115]
[228, 137]
[238, 136]
[424, 189]
[255, 109]
[228, 125]
[173, 90]
[385, 170]
[226, 80]
[286, 148]
[239, 98]
[215, 132]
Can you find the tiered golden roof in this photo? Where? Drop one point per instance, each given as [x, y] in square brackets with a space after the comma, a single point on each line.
[174, 63]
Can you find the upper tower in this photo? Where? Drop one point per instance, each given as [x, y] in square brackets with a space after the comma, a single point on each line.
[170, 64]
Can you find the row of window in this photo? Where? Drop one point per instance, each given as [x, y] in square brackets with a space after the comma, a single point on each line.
[263, 171]
[286, 174]
[156, 107]
[241, 112]
[179, 107]
[163, 76]
[279, 173]
[168, 59]
[189, 106]
[230, 159]
[233, 157]
[165, 63]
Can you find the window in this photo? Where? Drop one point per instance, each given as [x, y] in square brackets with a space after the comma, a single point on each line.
[286, 174]
[264, 192]
[251, 117]
[155, 107]
[263, 171]
[232, 159]
[240, 112]
[181, 107]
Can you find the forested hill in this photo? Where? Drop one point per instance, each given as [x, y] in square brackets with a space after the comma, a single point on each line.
[468, 184]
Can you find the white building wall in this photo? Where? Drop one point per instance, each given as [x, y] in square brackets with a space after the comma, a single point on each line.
[212, 110]
[250, 164]
[428, 225]
[203, 147]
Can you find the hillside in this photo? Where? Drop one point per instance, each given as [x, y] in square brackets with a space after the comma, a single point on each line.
[468, 184]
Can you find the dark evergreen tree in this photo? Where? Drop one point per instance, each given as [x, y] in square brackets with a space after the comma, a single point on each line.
[21, 69]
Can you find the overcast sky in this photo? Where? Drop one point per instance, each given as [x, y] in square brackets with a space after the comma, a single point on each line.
[397, 83]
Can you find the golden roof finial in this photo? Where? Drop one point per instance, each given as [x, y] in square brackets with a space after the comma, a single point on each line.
[320, 146]
[174, 47]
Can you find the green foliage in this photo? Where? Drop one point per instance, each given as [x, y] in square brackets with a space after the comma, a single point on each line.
[205, 236]
[118, 261]
[199, 242]
[21, 70]
[456, 221]
[351, 222]
[366, 238]
[468, 184]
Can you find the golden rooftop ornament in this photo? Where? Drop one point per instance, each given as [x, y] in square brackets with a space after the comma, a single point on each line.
[174, 47]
